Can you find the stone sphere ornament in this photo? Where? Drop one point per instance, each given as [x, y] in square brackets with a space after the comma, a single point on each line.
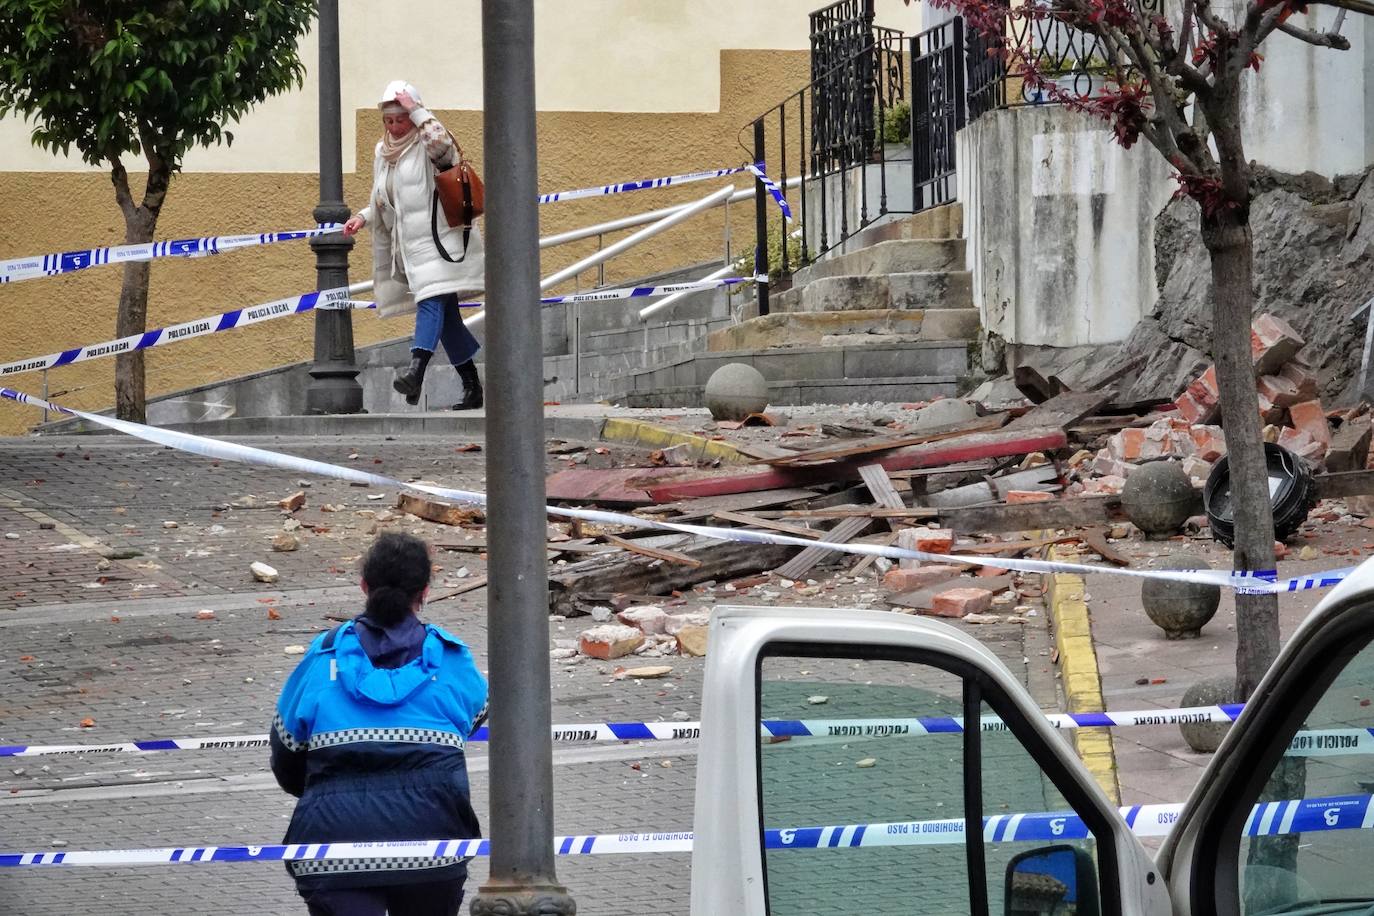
[734, 391]
[1180, 609]
[1206, 737]
[1159, 498]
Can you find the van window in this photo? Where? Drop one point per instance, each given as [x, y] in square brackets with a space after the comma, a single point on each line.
[867, 816]
[1304, 841]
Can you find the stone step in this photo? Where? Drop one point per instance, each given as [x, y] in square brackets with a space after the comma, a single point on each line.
[792, 329]
[793, 392]
[883, 358]
[912, 290]
[893, 257]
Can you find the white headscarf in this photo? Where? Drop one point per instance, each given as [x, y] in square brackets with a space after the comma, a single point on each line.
[393, 148]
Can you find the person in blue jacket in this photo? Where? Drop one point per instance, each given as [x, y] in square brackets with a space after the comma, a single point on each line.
[369, 735]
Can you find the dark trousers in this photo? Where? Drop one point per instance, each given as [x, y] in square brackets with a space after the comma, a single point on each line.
[439, 898]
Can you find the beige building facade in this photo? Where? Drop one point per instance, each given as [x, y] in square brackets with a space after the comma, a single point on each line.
[626, 89]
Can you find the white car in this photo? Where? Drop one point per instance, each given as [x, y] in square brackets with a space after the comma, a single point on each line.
[868, 822]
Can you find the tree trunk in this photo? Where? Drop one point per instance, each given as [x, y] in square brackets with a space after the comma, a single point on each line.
[1230, 244]
[140, 222]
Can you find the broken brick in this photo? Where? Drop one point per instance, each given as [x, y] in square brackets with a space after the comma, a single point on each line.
[1194, 410]
[1126, 445]
[934, 540]
[692, 641]
[1273, 342]
[676, 622]
[293, 502]
[1303, 378]
[647, 618]
[611, 640]
[909, 580]
[1280, 391]
[1197, 469]
[1300, 442]
[1309, 417]
[1208, 442]
[959, 602]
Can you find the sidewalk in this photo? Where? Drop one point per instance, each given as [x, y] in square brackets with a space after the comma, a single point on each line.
[1154, 763]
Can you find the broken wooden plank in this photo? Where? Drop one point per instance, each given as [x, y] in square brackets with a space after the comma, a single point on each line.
[657, 553]
[438, 510]
[1096, 539]
[885, 495]
[1061, 410]
[1075, 512]
[799, 565]
[886, 540]
[720, 560]
[1000, 444]
[1345, 483]
[754, 521]
[474, 585]
[1035, 386]
[608, 487]
[888, 443]
[993, 488]
[693, 509]
[971, 467]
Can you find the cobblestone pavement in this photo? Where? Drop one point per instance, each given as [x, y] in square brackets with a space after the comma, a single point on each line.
[128, 657]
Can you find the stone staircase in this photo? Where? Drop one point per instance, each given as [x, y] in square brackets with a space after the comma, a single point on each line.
[887, 316]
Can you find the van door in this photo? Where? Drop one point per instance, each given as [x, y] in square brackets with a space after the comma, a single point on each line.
[1282, 821]
[856, 800]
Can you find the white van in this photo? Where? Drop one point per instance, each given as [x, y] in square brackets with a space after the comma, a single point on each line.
[871, 824]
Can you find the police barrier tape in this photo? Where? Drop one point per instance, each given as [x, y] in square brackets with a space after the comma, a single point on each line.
[1316, 743]
[232, 451]
[1280, 818]
[642, 184]
[66, 262]
[294, 305]
[15, 270]
[197, 327]
[773, 189]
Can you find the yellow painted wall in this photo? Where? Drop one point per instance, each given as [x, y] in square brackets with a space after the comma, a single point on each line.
[58, 211]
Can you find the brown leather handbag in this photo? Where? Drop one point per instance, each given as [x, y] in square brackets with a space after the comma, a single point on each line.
[459, 191]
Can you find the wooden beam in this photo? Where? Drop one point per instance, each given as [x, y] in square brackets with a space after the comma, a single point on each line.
[1096, 539]
[885, 495]
[802, 563]
[1074, 512]
[1345, 483]
[1061, 410]
[1000, 444]
[888, 443]
[472, 586]
[657, 553]
[754, 521]
[439, 511]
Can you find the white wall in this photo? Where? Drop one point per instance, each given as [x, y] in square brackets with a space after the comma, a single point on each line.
[592, 55]
[1060, 225]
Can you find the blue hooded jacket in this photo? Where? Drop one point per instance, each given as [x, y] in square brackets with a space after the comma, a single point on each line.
[375, 753]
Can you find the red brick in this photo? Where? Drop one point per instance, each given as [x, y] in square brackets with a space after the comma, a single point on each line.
[1192, 410]
[611, 640]
[1309, 417]
[647, 618]
[1208, 441]
[1126, 445]
[1301, 443]
[959, 602]
[909, 580]
[1280, 391]
[1208, 380]
[1303, 378]
[934, 540]
[1028, 496]
[1273, 342]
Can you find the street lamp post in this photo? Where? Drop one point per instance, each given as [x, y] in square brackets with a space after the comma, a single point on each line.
[522, 878]
[334, 384]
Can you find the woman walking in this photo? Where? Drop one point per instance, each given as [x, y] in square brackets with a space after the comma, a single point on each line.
[420, 264]
[369, 735]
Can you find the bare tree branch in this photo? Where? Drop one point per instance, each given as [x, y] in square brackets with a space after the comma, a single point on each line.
[1364, 7]
[119, 177]
[1320, 39]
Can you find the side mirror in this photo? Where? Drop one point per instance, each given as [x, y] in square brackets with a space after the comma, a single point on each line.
[1052, 881]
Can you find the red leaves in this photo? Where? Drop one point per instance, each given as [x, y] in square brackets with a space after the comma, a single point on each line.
[1126, 108]
[1206, 190]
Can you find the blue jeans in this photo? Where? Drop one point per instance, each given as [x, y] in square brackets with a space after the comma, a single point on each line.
[440, 320]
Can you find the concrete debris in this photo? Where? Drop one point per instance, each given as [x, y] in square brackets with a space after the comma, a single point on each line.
[610, 641]
[263, 573]
[293, 503]
[285, 542]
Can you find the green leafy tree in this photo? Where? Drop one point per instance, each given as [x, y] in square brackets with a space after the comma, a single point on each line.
[118, 78]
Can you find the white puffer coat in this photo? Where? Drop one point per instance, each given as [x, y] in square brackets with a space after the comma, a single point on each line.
[406, 265]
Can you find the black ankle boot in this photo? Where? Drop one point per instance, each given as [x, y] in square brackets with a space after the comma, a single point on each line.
[472, 387]
[409, 380]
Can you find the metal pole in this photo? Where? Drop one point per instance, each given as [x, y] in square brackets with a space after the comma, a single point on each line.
[334, 384]
[761, 224]
[522, 877]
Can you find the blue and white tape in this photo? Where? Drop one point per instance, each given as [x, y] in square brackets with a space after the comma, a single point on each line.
[230, 451]
[1280, 818]
[643, 184]
[65, 262]
[1325, 743]
[197, 327]
[773, 189]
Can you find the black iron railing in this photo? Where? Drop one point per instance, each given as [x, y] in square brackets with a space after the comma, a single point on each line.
[938, 110]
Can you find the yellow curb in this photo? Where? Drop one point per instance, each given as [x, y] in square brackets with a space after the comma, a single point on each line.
[1079, 675]
[638, 432]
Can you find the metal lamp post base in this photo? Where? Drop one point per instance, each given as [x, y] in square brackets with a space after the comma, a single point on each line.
[523, 900]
